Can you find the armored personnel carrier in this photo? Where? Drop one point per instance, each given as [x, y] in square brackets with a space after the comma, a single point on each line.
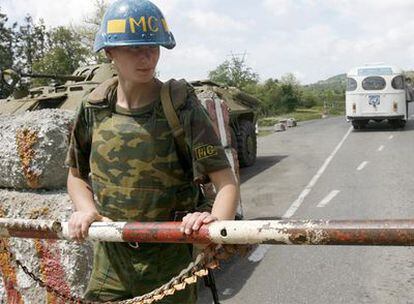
[85, 79]
[242, 118]
[67, 96]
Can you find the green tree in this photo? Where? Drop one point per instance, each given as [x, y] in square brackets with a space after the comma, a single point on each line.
[65, 53]
[31, 42]
[291, 91]
[291, 79]
[234, 72]
[88, 29]
[309, 99]
[6, 43]
[290, 99]
[6, 51]
[269, 93]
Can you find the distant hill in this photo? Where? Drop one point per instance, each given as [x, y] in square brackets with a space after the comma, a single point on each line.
[332, 88]
[336, 83]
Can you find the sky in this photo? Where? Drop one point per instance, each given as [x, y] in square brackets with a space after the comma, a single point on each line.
[314, 39]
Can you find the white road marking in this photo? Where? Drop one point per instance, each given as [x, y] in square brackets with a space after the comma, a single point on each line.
[228, 292]
[391, 137]
[296, 204]
[381, 148]
[259, 253]
[362, 165]
[328, 198]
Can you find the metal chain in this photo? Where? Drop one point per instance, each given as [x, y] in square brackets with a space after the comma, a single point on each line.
[190, 275]
[24, 224]
[39, 281]
[196, 269]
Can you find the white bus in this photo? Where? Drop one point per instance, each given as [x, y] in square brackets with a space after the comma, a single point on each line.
[377, 92]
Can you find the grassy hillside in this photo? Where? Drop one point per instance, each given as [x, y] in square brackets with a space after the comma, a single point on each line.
[331, 88]
[335, 83]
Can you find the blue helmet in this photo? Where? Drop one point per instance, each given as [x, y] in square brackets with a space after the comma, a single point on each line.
[133, 23]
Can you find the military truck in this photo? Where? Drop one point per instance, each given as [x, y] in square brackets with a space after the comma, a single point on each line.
[85, 79]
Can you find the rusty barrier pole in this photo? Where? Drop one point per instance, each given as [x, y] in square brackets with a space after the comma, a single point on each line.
[277, 232]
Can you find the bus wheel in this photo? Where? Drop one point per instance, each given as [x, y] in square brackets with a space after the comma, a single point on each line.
[355, 124]
[397, 123]
[401, 123]
[359, 124]
[363, 123]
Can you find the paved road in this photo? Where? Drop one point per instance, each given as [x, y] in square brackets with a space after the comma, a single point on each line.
[362, 175]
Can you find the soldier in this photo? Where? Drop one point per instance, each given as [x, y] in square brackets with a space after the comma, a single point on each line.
[123, 152]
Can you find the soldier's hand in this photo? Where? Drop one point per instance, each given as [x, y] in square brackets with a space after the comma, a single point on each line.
[193, 221]
[80, 222]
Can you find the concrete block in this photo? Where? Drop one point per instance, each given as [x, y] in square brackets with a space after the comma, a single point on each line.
[279, 127]
[291, 122]
[64, 265]
[33, 147]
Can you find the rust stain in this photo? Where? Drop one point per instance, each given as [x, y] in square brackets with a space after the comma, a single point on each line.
[39, 212]
[51, 269]
[8, 272]
[25, 140]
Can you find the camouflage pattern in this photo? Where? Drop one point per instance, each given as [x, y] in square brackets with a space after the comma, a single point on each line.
[136, 175]
[120, 272]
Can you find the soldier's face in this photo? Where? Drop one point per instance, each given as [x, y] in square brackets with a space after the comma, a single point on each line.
[135, 64]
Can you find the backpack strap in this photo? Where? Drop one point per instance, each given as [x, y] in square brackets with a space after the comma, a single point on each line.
[98, 104]
[174, 95]
[100, 94]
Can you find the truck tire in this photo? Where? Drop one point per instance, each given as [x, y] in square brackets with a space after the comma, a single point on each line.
[246, 143]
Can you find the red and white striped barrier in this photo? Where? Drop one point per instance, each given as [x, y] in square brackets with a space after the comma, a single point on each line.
[278, 232]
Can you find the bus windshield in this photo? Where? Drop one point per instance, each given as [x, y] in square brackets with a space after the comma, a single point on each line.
[375, 71]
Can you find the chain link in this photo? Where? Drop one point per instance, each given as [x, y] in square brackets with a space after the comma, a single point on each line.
[196, 269]
[205, 260]
[40, 282]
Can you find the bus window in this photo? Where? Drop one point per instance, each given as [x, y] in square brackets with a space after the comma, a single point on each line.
[398, 83]
[374, 71]
[351, 84]
[373, 83]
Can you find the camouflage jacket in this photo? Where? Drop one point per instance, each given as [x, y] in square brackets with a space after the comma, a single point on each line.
[132, 158]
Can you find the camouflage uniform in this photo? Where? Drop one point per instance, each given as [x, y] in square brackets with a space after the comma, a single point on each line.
[137, 176]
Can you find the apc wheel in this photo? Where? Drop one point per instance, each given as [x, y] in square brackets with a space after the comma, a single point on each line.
[233, 139]
[246, 143]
